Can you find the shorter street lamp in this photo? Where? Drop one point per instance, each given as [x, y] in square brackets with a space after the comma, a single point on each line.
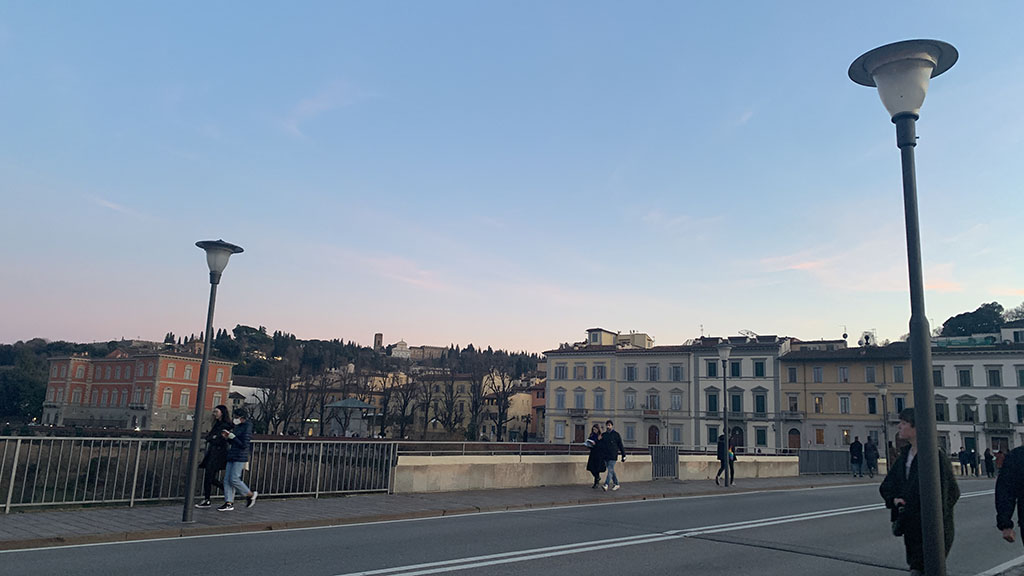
[724, 349]
[217, 254]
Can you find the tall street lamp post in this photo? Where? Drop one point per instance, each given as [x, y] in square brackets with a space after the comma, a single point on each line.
[724, 349]
[901, 72]
[883, 389]
[217, 254]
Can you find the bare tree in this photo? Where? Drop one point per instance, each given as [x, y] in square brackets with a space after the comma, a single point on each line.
[406, 390]
[502, 386]
[478, 367]
[449, 411]
[425, 400]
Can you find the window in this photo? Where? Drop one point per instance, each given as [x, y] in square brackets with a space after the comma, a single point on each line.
[653, 401]
[148, 397]
[80, 372]
[461, 389]
[966, 412]
[677, 401]
[677, 373]
[128, 372]
[995, 377]
[595, 337]
[598, 371]
[712, 434]
[579, 399]
[1020, 413]
[819, 436]
[149, 371]
[94, 399]
[997, 412]
[220, 375]
[901, 403]
[51, 393]
[794, 403]
[598, 400]
[819, 374]
[677, 435]
[63, 371]
[137, 396]
[107, 373]
[630, 400]
[713, 402]
[630, 373]
[104, 398]
[940, 412]
[760, 404]
[117, 373]
[759, 371]
[561, 372]
[559, 430]
[170, 371]
[712, 368]
[760, 436]
[113, 397]
[735, 402]
[844, 374]
[869, 374]
[844, 404]
[653, 372]
[76, 397]
[819, 404]
[872, 405]
[560, 399]
[1020, 377]
[897, 373]
[792, 373]
[630, 433]
[167, 397]
[183, 402]
[963, 377]
[937, 377]
[124, 398]
[188, 373]
[53, 371]
[579, 372]
[734, 369]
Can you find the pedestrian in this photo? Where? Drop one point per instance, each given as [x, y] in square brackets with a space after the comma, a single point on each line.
[216, 457]
[595, 462]
[1000, 459]
[902, 496]
[857, 457]
[974, 462]
[611, 447]
[964, 463]
[990, 463]
[725, 456]
[238, 459]
[871, 457]
[1010, 493]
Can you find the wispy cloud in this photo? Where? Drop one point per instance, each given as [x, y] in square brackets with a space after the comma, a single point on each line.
[743, 118]
[120, 208]
[334, 96]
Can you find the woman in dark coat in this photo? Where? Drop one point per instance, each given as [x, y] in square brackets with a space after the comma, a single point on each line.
[990, 463]
[900, 490]
[595, 463]
[216, 456]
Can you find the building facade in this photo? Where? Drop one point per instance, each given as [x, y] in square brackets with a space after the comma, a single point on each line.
[147, 391]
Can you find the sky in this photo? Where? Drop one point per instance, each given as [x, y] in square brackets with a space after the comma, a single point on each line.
[507, 174]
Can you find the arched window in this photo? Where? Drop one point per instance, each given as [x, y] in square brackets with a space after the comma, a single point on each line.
[80, 372]
[167, 397]
[185, 395]
[220, 375]
[104, 398]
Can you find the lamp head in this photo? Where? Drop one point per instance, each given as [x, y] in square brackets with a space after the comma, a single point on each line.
[901, 72]
[217, 254]
[883, 389]
[724, 349]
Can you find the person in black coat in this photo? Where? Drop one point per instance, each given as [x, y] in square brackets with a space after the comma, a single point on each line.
[857, 457]
[901, 492]
[1010, 493]
[238, 441]
[595, 462]
[725, 455]
[216, 456]
[611, 447]
[871, 457]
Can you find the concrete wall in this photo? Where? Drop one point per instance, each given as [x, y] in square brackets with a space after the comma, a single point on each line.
[453, 473]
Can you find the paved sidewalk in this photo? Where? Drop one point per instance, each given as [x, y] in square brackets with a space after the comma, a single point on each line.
[47, 527]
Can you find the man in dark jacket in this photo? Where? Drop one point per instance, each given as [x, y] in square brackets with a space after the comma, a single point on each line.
[901, 490]
[611, 447]
[871, 457]
[1010, 493]
[238, 455]
[857, 457]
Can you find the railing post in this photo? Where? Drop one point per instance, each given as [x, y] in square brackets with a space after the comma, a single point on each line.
[14, 475]
[135, 475]
[319, 467]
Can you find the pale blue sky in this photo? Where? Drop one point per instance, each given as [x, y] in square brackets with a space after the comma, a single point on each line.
[507, 174]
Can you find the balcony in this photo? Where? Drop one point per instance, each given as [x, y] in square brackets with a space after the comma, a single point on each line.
[51, 404]
[792, 415]
[649, 413]
[578, 412]
[998, 426]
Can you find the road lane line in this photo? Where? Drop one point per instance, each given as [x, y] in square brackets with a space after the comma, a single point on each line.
[1003, 567]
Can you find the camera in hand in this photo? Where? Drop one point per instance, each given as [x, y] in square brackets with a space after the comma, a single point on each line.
[897, 520]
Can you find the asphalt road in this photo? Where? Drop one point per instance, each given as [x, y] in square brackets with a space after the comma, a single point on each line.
[796, 532]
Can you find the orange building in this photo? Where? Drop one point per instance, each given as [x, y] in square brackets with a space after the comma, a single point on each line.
[148, 391]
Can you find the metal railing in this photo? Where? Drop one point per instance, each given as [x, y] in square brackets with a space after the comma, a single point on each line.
[664, 462]
[825, 462]
[77, 471]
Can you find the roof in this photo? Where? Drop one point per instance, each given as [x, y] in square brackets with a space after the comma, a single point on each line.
[1014, 324]
[894, 351]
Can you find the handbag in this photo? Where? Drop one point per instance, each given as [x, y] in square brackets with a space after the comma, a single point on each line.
[897, 522]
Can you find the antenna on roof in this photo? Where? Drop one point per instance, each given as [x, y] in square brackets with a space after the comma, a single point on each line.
[701, 330]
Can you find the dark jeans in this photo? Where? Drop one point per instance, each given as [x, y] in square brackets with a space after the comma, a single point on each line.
[732, 473]
[209, 481]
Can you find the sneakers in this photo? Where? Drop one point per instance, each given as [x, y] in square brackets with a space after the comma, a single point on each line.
[203, 504]
[717, 483]
[226, 507]
[604, 487]
[250, 501]
[614, 488]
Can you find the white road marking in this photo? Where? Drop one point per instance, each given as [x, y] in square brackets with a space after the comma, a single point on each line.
[1002, 567]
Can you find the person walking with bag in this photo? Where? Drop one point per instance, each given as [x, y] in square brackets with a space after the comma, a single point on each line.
[725, 457]
[238, 456]
[857, 457]
[216, 456]
[901, 492]
[595, 462]
[871, 457]
[611, 447]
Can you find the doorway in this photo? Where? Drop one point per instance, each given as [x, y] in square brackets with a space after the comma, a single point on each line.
[580, 434]
[653, 436]
[794, 439]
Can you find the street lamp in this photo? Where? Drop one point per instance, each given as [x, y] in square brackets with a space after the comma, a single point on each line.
[883, 389]
[724, 349]
[217, 254]
[901, 72]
